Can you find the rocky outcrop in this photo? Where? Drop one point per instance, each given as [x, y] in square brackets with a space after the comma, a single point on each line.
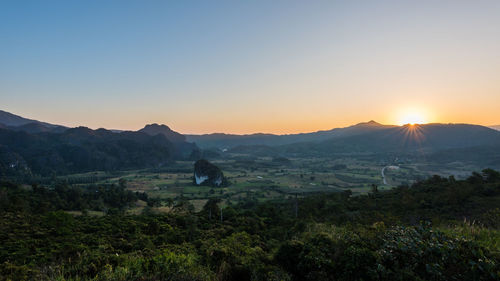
[206, 173]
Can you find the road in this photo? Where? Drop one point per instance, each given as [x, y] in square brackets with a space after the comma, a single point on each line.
[383, 175]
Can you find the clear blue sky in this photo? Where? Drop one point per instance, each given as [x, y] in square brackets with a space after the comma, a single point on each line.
[249, 66]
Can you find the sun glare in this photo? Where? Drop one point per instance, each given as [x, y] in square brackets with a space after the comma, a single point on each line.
[412, 118]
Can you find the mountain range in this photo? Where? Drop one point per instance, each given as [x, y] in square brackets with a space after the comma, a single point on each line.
[44, 148]
[18, 123]
[155, 129]
[438, 143]
[33, 147]
[220, 140]
[409, 139]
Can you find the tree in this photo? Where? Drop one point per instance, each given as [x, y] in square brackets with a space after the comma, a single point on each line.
[491, 175]
[122, 183]
[211, 208]
[170, 202]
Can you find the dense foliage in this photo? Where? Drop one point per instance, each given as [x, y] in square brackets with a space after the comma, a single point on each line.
[82, 149]
[38, 199]
[409, 233]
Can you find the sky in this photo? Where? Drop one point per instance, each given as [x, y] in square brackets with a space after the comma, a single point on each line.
[250, 66]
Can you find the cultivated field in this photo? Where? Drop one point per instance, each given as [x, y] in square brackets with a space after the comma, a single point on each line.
[257, 179]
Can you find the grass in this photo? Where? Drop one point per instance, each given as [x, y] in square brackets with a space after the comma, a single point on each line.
[489, 238]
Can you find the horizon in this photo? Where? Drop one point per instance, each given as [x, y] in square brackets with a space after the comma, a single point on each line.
[283, 67]
[249, 140]
[259, 132]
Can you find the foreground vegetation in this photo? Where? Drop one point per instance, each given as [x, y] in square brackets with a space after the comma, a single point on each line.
[437, 229]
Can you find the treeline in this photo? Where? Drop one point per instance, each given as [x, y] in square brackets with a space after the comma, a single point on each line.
[436, 199]
[410, 233]
[36, 199]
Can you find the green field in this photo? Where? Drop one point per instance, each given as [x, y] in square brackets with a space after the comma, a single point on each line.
[261, 179]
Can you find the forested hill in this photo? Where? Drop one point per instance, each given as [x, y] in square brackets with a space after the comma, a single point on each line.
[440, 143]
[155, 129]
[427, 137]
[18, 123]
[9, 119]
[220, 140]
[82, 149]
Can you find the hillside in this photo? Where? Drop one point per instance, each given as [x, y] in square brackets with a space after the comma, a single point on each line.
[440, 143]
[220, 140]
[155, 129]
[427, 138]
[16, 122]
[82, 149]
[42, 147]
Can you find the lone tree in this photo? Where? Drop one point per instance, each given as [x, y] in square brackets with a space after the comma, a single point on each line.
[211, 207]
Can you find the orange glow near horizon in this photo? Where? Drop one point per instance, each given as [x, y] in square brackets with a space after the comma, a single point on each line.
[412, 118]
[301, 121]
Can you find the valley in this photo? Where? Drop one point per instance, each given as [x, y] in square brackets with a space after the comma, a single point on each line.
[154, 204]
[249, 140]
[261, 179]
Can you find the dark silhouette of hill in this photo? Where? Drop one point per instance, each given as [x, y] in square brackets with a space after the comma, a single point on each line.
[18, 123]
[183, 148]
[428, 137]
[221, 140]
[9, 119]
[46, 148]
[155, 129]
[82, 149]
[484, 156]
[36, 127]
[439, 143]
[43, 148]
[495, 127]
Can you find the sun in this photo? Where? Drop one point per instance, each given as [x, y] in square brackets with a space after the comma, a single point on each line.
[412, 118]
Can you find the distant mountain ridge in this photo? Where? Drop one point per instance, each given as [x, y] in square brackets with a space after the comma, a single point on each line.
[442, 143]
[423, 137]
[155, 129]
[220, 140]
[9, 119]
[82, 149]
[30, 146]
[18, 123]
